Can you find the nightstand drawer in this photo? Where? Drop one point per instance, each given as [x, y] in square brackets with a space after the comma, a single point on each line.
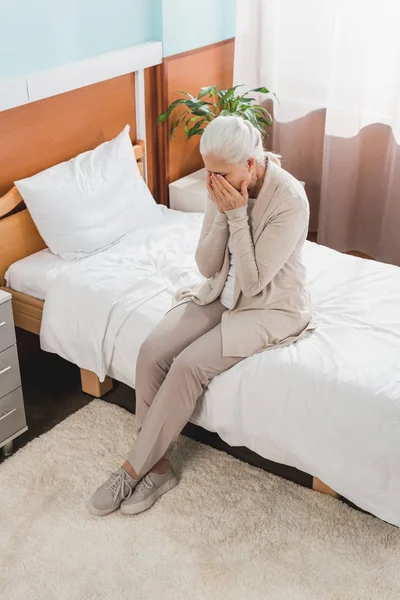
[7, 332]
[12, 414]
[9, 371]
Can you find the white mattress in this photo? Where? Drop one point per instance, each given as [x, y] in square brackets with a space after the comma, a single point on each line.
[328, 405]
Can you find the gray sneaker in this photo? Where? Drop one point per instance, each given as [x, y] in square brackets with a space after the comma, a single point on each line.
[151, 487]
[108, 497]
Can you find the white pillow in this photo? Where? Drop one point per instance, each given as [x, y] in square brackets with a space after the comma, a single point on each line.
[89, 202]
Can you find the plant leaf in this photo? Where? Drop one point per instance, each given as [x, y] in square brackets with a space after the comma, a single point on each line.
[241, 107]
[206, 91]
[260, 110]
[263, 121]
[187, 94]
[259, 107]
[199, 123]
[197, 101]
[230, 93]
[270, 119]
[234, 104]
[200, 109]
[263, 126]
[194, 130]
[164, 116]
[263, 90]
[177, 123]
[250, 116]
[222, 103]
[194, 119]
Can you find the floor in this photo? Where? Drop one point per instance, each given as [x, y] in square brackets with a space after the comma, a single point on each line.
[227, 531]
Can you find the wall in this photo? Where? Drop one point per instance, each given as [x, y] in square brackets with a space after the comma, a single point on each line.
[189, 24]
[38, 135]
[198, 50]
[46, 33]
[209, 65]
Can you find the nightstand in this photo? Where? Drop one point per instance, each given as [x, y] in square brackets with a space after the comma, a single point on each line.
[189, 194]
[12, 409]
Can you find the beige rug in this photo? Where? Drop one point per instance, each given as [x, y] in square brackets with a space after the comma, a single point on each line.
[227, 531]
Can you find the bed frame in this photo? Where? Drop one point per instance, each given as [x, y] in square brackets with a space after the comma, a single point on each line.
[19, 238]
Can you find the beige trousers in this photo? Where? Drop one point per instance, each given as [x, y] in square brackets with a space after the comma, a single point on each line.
[175, 364]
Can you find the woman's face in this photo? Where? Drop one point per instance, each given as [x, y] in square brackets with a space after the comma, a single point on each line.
[234, 174]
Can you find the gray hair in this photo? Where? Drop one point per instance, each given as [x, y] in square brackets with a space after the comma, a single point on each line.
[234, 140]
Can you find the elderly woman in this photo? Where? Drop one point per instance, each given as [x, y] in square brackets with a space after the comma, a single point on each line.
[254, 297]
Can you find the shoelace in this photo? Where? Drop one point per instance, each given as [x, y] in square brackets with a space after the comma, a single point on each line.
[144, 484]
[119, 485]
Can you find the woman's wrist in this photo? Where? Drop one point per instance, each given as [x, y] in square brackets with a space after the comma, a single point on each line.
[236, 213]
[220, 217]
[239, 203]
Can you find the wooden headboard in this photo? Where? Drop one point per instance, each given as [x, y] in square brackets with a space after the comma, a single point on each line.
[18, 234]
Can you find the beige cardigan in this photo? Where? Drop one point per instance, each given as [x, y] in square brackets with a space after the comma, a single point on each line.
[272, 302]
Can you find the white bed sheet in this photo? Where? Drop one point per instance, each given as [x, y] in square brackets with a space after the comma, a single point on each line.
[34, 275]
[328, 405]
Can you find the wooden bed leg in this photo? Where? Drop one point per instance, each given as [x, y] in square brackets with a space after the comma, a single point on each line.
[91, 384]
[320, 486]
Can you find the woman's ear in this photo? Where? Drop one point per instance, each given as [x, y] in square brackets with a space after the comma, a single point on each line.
[251, 163]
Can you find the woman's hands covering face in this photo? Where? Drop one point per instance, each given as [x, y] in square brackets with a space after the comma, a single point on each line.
[224, 195]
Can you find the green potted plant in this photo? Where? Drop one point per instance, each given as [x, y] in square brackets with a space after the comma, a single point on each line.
[211, 103]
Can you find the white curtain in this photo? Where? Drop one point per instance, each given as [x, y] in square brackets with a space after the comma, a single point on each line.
[335, 67]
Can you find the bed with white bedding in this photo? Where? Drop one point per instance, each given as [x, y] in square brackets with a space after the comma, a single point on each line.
[328, 405]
